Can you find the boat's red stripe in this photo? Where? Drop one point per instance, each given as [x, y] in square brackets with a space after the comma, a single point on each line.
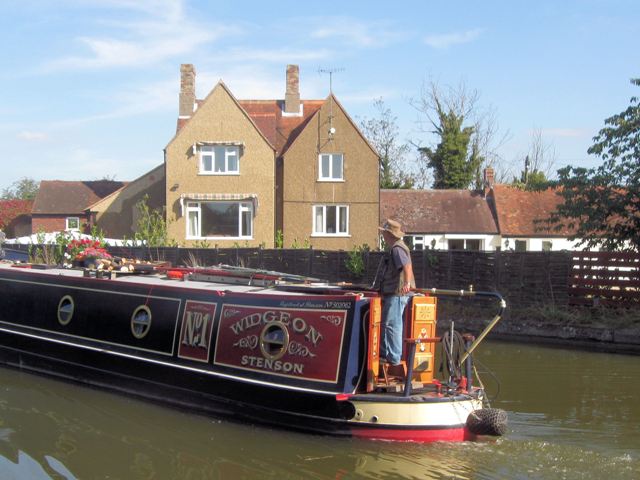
[431, 435]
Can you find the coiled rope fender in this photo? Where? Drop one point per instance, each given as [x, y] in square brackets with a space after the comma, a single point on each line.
[488, 421]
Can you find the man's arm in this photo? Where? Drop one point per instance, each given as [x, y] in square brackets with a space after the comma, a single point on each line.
[408, 278]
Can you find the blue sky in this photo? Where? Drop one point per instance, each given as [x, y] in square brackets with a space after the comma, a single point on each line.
[89, 88]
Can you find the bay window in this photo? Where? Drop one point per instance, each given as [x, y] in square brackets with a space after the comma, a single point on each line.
[219, 219]
[330, 220]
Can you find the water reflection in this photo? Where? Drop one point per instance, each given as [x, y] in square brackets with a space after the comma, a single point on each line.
[57, 430]
[572, 415]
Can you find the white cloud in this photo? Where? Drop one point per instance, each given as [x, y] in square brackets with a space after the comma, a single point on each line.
[163, 31]
[280, 56]
[446, 40]
[30, 136]
[244, 81]
[156, 97]
[355, 32]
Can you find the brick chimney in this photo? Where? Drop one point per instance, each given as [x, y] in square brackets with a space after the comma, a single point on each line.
[488, 181]
[292, 96]
[489, 177]
[187, 90]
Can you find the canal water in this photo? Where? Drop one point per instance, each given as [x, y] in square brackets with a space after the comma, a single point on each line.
[573, 415]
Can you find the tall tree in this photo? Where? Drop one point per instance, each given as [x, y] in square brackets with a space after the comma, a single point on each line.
[464, 135]
[450, 161]
[603, 203]
[24, 189]
[382, 132]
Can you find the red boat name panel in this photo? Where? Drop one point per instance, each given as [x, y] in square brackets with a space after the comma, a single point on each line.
[292, 342]
[195, 334]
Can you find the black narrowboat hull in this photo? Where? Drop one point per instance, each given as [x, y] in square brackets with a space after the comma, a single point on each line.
[278, 358]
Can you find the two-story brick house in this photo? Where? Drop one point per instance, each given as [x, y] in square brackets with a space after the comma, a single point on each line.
[246, 171]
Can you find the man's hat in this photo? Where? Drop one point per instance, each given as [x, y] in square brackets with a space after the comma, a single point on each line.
[393, 228]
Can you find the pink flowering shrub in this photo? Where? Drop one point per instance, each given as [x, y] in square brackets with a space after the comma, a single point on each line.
[87, 248]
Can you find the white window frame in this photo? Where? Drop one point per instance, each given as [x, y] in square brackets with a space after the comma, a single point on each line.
[72, 229]
[315, 209]
[464, 243]
[229, 152]
[196, 208]
[332, 176]
[419, 240]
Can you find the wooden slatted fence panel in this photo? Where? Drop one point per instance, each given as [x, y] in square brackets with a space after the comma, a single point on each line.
[523, 278]
[605, 278]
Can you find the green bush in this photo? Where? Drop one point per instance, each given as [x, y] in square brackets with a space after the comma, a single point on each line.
[355, 261]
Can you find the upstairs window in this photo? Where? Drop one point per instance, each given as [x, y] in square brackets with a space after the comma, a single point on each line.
[220, 160]
[330, 220]
[330, 167]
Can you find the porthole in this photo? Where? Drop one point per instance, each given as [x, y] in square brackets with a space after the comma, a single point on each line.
[65, 309]
[274, 340]
[141, 321]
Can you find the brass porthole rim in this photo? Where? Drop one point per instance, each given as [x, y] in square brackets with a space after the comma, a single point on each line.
[133, 316]
[285, 343]
[73, 307]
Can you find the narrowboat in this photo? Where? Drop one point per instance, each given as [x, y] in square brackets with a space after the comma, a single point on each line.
[252, 345]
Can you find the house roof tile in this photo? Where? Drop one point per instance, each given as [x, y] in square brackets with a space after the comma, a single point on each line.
[519, 212]
[280, 130]
[71, 197]
[438, 211]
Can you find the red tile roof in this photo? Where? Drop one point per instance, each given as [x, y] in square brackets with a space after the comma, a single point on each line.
[70, 197]
[438, 211]
[279, 130]
[518, 212]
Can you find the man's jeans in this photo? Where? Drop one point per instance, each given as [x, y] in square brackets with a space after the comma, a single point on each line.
[392, 315]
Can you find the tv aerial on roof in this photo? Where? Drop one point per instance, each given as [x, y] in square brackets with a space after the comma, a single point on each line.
[330, 72]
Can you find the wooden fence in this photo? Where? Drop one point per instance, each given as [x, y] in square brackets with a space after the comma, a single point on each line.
[523, 278]
[605, 278]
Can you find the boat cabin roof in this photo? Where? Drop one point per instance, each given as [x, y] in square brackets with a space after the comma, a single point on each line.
[207, 279]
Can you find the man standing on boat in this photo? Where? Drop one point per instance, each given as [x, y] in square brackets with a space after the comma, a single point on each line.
[396, 283]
